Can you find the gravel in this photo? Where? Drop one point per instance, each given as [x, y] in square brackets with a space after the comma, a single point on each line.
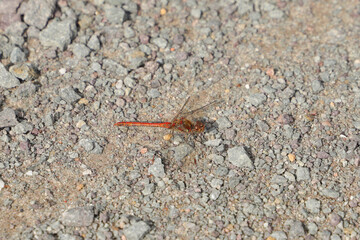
[7, 80]
[279, 157]
[8, 118]
[17, 55]
[297, 230]
[157, 169]
[80, 50]
[37, 12]
[24, 71]
[240, 158]
[58, 34]
[302, 174]
[78, 217]
[69, 95]
[2, 184]
[115, 15]
[313, 205]
[137, 231]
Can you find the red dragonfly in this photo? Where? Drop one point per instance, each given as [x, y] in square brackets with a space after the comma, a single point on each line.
[178, 123]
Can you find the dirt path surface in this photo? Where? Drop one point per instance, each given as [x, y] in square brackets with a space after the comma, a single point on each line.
[279, 157]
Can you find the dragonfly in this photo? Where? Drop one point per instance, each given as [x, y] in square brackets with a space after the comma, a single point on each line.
[181, 124]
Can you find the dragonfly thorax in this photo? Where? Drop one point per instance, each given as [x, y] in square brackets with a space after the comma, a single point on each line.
[185, 125]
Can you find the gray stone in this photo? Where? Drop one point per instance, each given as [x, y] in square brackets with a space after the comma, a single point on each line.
[8, 118]
[96, 67]
[216, 183]
[69, 95]
[233, 182]
[78, 217]
[256, 99]
[230, 134]
[244, 7]
[214, 194]
[153, 93]
[111, 65]
[37, 12]
[239, 157]
[129, 32]
[97, 149]
[7, 80]
[87, 144]
[327, 192]
[221, 171]
[26, 90]
[157, 169]
[173, 212]
[5, 138]
[312, 227]
[167, 68]
[58, 34]
[182, 151]
[136, 59]
[98, 2]
[149, 189]
[49, 120]
[278, 179]
[23, 127]
[267, 7]
[325, 235]
[289, 176]
[17, 55]
[335, 237]
[115, 15]
[80, 50]
[324, 76]
[276, 14]
[54, 227]
[15, 33]
[129, 82]
[66, 236]
[279, 235]
[296, 230]
[223, 123]
[145, 49]
[213, 143]
[137, 231]
[317, 86]
[94, 43]
[302, 174]
[356, 124]
[196, 13]
[263, 126]
[313, 205]
[5, 46]
[160, 42]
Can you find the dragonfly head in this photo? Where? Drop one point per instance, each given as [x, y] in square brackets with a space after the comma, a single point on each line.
[199, 127]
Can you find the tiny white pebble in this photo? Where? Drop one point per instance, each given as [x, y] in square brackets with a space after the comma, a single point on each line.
[87, 172]
[62, 71]
[2, 184]
[80, 123]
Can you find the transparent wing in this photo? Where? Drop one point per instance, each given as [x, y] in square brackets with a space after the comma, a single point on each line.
[206, 92]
